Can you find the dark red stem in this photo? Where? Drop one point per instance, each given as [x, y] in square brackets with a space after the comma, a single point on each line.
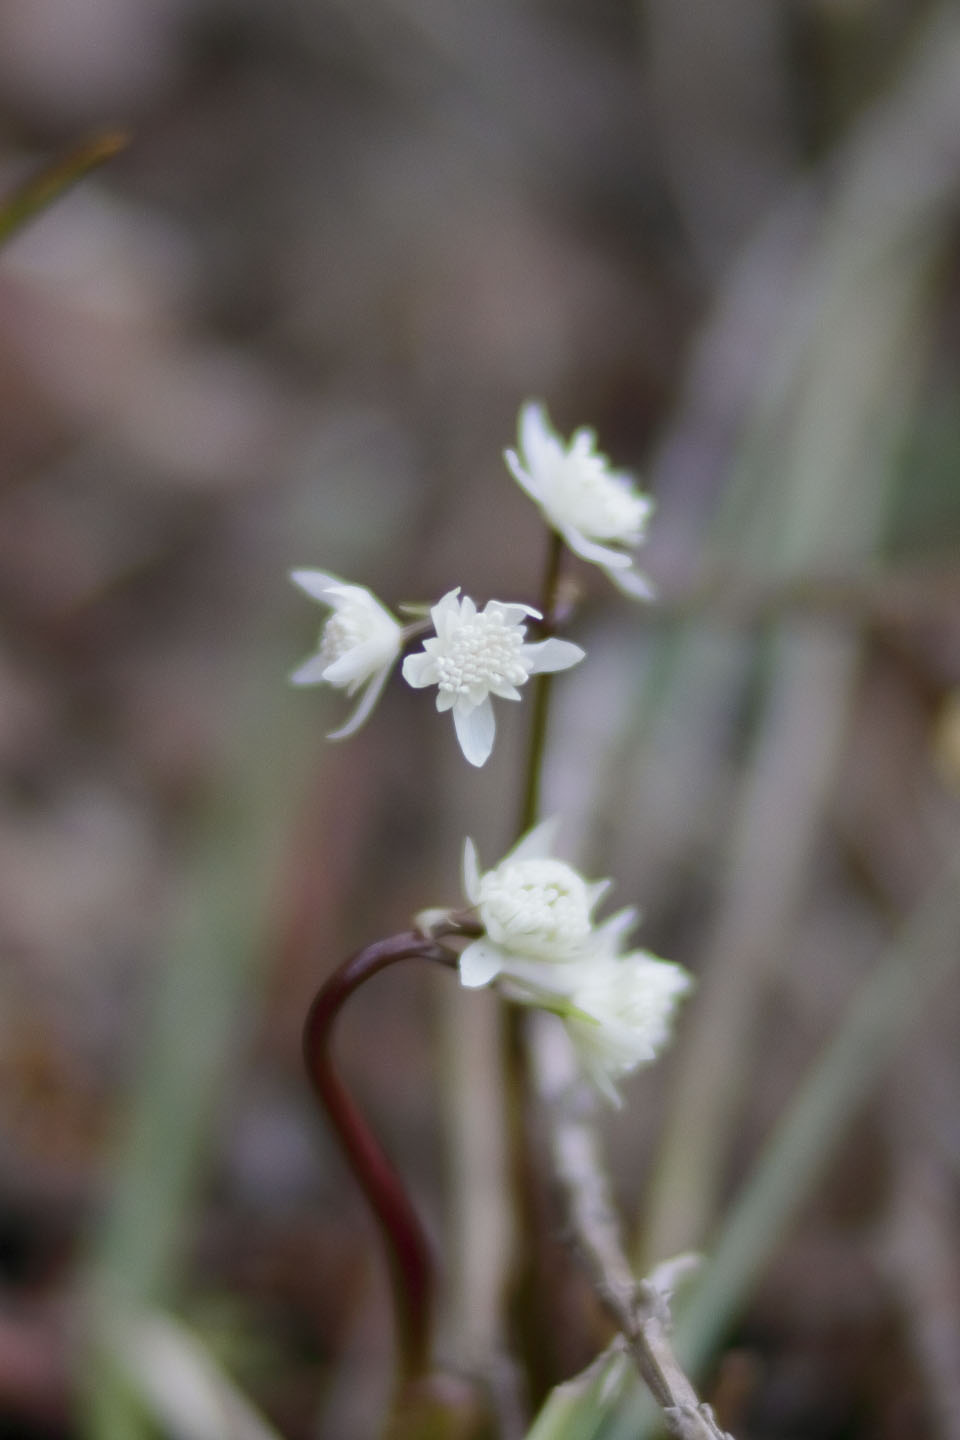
[408, 1249]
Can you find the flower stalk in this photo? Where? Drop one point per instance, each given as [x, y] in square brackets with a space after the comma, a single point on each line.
[537, 743]
[408, 1249]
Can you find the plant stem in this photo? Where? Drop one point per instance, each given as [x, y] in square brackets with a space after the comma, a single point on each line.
[47, 184]
[549, 605]
[528, 1308]
[408, 1249]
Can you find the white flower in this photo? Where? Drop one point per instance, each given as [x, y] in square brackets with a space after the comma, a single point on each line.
[358, 645]
[536, 912]
[598, 511]
[540, 942]
[621, 1013]
[476, 654]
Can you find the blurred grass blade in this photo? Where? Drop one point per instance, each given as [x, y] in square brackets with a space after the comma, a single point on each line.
[180, 1384]
[887, 1005]
[40, 190]
[813, 491]
[206, 992]
[576, 1410]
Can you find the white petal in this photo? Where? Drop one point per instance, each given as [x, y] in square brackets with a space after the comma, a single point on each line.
[598, 1074]
[597, 890]
[446, 609]
[514, 614]
[537, 844]
[359, 662]
[633, 583]
[523, 478]
[552, 654]
[310, 672]
[475, 729]
[609, 933]
[504, 690]
[543, 982]
[539, 442]
[420, 670]
[480, 963]
[446, 700]
[471, 872]
[596, 554]
[368, 699]
[316, 583]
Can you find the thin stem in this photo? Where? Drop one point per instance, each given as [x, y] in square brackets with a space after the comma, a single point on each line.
[640, 1311]
[47, 184]
[543, 684]
[408, 1249]
[528, 1294]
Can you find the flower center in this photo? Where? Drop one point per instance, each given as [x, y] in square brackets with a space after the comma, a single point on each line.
[596, 502]
[536, 907]
[482, 651]
[346, 628]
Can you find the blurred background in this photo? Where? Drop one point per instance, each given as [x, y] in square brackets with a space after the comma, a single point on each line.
[292, 325]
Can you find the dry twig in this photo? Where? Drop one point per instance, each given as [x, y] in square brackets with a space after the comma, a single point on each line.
[640, 1309]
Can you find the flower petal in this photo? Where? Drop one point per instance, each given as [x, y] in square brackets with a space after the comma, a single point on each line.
[420, 670]
[368, 699]
[537, 844]
[552, 654]
[359, 662]
[633, 583]
[607, 936]
[310, 672]
[597, 890]
[316, 583]
[480, 963]
[540, 444]
[471, 872]
[596, 554]
[446, 609]
[505, 690]
[475, 729]
[513, 614]
[523, 478]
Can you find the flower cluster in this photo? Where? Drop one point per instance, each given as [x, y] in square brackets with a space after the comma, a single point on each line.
[473, 654]
[541, 943]
[539, 939]
[478, 653]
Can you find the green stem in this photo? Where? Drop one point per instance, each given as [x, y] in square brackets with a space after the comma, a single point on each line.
[529, 1292]
[543, 685]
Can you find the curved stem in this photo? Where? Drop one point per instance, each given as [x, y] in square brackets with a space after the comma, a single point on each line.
[408, 1249]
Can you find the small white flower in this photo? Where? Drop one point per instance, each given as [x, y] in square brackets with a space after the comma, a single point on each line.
[536, 912]
[598, 511]
[621, 1013]
[479, 653]
[540, 942]
[358, 645]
